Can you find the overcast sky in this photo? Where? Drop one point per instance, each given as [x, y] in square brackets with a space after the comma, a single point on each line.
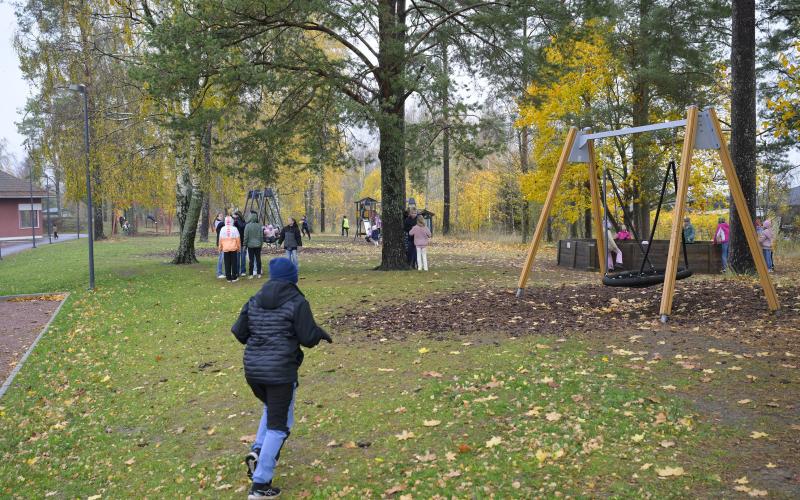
[13, 86]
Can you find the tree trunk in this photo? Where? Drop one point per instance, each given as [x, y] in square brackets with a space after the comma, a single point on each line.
[322, 203]
[205, 214]
[549, 231]
[445, 143]
[391, 127]
[587, 223]
[183, 195]
[185, 253]
[523, 163]
[99, 234]
[743, 125]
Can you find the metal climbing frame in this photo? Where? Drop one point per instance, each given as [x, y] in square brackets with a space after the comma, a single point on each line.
[265, 204]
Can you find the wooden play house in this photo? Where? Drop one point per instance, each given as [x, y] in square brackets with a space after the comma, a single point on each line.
[703, 131]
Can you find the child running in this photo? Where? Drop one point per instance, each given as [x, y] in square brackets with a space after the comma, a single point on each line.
[422, 236]
[273, 325]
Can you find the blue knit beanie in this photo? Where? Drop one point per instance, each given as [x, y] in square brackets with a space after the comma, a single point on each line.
[282, 269]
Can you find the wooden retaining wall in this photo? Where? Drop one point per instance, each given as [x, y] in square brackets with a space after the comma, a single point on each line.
[704, 258]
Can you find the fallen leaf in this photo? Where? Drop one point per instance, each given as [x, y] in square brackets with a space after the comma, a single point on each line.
[405, 435]
[645, 466]
[450, 456]
[637, 438]
[423, 350]
[667, 444]
[758, 434]
[553, 416]
[431, 423]
[394, 489]
[452, 474]
[742, 480]
[211, 431]
[494, 441]
[427, 457]
[432, 374]
[464, 448]
[744, 401]
[670, 472]
[350, 445]
[757, 493]
[130, 461]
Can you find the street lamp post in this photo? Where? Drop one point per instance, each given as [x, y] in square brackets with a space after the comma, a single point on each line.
[82, 89]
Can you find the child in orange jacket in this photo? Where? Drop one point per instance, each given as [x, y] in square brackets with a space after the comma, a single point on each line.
[230, 244]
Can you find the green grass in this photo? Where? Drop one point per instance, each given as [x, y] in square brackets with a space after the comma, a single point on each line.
[137, 391]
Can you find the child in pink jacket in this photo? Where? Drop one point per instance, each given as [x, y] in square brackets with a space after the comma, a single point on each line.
[422, 236]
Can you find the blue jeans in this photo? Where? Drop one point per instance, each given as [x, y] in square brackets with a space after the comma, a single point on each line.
[271, 435]
[243, 261]
[219, 264]
[724, 255]
[768, 257]
[291, 254]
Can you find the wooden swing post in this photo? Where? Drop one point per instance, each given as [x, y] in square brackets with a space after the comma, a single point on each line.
[548, 205]
[599, 230]
[677, 214]
[744, 215]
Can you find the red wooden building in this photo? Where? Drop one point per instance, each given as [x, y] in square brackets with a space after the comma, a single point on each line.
[18, 212]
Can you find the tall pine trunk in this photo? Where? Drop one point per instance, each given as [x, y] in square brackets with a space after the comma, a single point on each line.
[186, 253]
[391, 127]
[743, 125]
[445, 142]
[206, 202]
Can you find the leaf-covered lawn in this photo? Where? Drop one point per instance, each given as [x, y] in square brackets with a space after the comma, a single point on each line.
[138, 391]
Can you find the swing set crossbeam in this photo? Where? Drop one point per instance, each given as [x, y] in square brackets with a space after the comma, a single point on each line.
[631, 130]
[705, 135]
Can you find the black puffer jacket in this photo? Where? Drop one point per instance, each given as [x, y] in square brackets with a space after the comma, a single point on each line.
[273, 324]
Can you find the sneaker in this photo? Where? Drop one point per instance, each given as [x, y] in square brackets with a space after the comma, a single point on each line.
[220, 276]
[244, 274]
[251, 461]
[263, 491]
[258, 276]
[250, 277]
[235, 280]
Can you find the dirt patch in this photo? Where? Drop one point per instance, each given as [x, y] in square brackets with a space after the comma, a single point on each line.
[728, 309]
[23, 320]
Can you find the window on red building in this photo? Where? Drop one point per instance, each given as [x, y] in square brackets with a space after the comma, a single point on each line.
[29, 216]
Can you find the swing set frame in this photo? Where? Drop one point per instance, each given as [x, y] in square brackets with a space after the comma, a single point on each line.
[703, 131]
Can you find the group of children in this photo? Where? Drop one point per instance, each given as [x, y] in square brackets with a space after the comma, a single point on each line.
[766, 239]
[237, 240]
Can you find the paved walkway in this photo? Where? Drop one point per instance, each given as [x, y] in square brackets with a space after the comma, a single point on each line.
[40, 242]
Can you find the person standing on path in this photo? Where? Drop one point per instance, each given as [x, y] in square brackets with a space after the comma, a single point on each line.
[253, 241]
[291, 239]
[345, 227]
[273, 325]
[55, 231]
[722, 238]
[766, 238]
[219, 223]
[231, 244]
[422, 236]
